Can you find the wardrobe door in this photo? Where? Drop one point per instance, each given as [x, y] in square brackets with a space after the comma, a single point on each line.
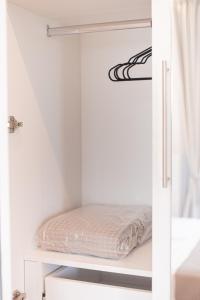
[161, 149]
[44, 150]
[5, 279]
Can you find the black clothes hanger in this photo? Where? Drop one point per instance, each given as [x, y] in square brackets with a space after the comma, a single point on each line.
[121, 72]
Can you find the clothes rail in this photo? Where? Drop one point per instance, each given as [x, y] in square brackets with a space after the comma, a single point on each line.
[98, 27]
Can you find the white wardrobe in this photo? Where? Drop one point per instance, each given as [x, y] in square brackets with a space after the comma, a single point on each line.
[85, 139]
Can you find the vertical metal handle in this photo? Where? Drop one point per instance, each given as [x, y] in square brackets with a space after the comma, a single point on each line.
[164, 126]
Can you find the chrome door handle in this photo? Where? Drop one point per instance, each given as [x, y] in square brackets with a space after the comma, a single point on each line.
[165, 177]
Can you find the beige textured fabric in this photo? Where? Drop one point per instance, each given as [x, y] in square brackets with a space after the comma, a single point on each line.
[98, 230]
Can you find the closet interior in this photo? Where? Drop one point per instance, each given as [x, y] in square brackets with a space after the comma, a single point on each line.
[83, 93]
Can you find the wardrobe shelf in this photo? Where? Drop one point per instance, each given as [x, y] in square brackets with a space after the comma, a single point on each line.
[138, 263]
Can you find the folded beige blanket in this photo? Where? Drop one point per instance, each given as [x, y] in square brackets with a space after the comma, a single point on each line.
[98, 230]
[187, 277]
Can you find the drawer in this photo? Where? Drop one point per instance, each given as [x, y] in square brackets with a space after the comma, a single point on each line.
[80, 284]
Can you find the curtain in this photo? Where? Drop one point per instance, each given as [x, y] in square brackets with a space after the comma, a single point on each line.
[186, 83]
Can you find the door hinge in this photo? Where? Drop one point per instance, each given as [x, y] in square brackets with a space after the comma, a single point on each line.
[17, 295]
[13, 124]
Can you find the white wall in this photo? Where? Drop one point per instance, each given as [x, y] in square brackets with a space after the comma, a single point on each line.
[44, 92]
[116, 121]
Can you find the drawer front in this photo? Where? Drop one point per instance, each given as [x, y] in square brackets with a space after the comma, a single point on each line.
[65, 289]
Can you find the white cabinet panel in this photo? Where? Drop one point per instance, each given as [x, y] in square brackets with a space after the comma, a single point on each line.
[45, 154]
[38, 151]
[161, 154]
[74, 283]
[5, 280]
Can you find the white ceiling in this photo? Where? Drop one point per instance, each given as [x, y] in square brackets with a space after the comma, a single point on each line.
[70, 11]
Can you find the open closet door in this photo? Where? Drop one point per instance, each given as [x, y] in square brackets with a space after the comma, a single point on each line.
[161, 149]
[5, 275]
[44, 125]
